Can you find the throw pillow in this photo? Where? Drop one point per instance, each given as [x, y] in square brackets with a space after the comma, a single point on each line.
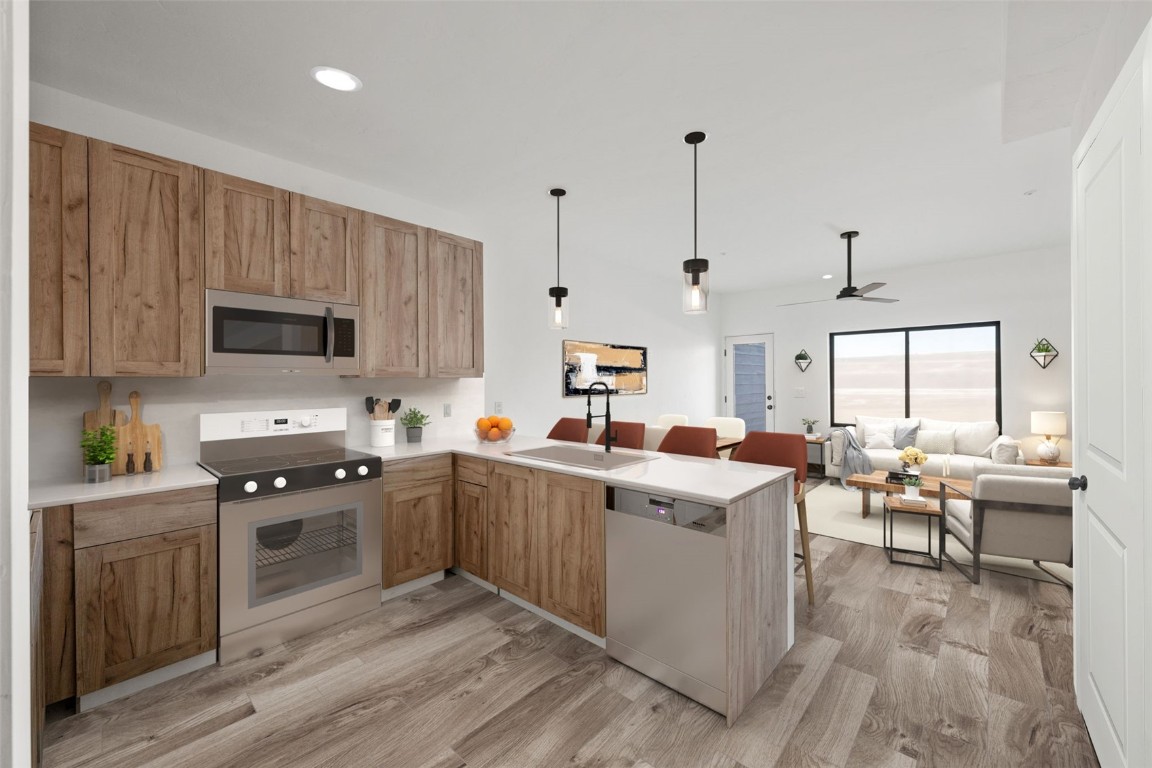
[1005, 450]
[936, 441]
[879, 440]
[866, 426]
[905, 436]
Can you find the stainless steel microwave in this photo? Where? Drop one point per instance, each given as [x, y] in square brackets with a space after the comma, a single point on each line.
[246, 333]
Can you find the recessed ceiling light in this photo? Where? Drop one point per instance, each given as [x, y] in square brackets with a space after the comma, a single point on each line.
[826, 277]
[336, 79]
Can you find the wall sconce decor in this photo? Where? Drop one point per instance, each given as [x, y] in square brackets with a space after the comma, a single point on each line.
[803, 360]
[1043, 353]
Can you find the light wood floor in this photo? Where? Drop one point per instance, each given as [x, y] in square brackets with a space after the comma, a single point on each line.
[894, 667]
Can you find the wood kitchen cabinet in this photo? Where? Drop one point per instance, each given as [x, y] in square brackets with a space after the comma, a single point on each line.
[36, 635]
[245, 236]
[325, 250]
[58, 617]
[417, 529]
[570, 547]
[456, 306]
[512, 541]
[394, 301]
[471, 523]
[58, 252]
[145, 268]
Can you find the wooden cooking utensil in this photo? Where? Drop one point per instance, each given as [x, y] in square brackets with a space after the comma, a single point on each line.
[140, 437]
[104, 415]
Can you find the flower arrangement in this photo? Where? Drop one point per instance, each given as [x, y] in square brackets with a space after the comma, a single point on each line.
[810, 422]
[912, 455]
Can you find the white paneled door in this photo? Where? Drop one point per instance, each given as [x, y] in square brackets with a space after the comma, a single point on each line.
[748, 381]
[1110, 284]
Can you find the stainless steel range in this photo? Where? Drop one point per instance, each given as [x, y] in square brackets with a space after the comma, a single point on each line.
[300, 519]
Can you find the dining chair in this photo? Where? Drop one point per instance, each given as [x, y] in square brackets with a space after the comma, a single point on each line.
[572, 430]
[627, 434]
[672, 420]
[784, 449]
[726, 426]
[690, 441]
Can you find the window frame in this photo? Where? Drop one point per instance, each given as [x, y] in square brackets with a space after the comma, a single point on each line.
[907, 331]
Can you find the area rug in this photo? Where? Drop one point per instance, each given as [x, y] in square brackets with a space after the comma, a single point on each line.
[834, 511]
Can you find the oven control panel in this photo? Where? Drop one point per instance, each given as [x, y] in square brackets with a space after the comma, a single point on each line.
[276, 482]
[290, 421]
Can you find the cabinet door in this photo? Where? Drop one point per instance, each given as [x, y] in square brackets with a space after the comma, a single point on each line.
[394, 302]
[571, 545]
[144, 604]
[57, 252]
[472, 528]
[245, 235]
[146, 311]
[512, 529]
[58, 620]
[417, 531]
[456, 311]
[325, 245]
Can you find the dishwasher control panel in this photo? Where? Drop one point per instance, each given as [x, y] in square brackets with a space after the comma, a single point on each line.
[690, 515]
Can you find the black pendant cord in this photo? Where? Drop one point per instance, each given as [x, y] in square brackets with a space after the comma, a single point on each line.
[694, 199]
[849, 261]
[557, 241]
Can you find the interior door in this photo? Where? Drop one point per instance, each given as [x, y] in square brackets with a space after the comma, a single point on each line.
[1109, 287]
[748, 375]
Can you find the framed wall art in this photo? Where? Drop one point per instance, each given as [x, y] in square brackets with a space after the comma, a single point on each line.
[622, 368]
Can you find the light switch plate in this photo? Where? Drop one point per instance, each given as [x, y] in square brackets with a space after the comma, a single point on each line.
[499, 408]
[447, 410]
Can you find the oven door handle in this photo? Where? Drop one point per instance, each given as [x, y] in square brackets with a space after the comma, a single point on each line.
[330, 322]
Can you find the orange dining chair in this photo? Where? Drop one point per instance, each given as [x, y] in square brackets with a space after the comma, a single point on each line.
[690, 441]
[782, 449]
[572, 430]
[627, 434]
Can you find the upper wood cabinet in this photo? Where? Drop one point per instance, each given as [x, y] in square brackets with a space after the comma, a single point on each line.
[512, 530]
[245, 236]
[417, 529]
[325, 250]
[394, 302]
[456, 305]
[570, 543]
[146, 303]
[58, 252]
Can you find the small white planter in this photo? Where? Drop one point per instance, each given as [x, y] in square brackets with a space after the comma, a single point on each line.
[912, 491]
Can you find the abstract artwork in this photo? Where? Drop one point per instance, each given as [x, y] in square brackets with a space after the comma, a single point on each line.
[622, 368]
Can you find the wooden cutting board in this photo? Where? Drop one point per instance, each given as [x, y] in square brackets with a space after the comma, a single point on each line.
[137, 435]
[104, 415]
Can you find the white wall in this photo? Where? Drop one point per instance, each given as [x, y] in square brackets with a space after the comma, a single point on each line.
[1029, 293]
[1117, 38]
[57, 405]
[14, 608]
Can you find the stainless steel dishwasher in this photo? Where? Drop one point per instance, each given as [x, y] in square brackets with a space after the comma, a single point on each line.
[667, 592]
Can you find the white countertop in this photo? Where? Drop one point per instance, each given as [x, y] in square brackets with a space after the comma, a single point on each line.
[710, 481]
[171, 478]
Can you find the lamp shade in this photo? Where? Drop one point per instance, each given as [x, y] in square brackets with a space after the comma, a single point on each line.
[1049, 423]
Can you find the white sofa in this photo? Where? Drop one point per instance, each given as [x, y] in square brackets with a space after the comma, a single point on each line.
[966, 444]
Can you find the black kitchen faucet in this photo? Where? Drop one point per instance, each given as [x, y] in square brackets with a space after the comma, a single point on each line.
[609, 438]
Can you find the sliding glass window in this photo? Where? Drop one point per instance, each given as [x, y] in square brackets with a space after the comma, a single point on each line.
[949, 372]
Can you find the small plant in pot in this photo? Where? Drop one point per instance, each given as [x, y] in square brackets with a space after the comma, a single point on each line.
[809, 423]
[912, 487]
[414, 422]
[99, 446]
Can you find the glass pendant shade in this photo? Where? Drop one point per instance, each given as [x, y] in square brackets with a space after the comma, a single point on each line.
[695, 286]
[557, 309]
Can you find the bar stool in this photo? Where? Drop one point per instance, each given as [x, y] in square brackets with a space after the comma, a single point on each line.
[783, 449]
[690, 441]
[572, 430]
[672, 420]
[628, 434]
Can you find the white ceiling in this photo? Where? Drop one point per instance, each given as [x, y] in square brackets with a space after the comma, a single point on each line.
[881, 117]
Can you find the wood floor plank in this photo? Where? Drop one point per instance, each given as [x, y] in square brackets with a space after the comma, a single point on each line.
[902, 708]
[1015, 670]
[842, 699]
[1014, 734]
[1064, 742]
[966, 624]
[922, 625]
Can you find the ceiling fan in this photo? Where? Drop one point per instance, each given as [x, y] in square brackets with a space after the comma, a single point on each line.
[850, 291]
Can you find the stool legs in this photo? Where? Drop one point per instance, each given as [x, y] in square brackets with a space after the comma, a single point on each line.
[802, 513]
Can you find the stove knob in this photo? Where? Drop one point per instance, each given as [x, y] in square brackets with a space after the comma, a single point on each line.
[341, 474]
[305, 421]
[362, 470]
[279, 482]
[250, 486]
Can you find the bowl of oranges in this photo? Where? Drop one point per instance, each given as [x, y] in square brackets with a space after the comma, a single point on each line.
[494, 429]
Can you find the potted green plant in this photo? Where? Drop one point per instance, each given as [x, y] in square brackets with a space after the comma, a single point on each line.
[809, 423]
[99, 446]
[912, 487]
[1043, 352]
[802, 360]
[414, 422]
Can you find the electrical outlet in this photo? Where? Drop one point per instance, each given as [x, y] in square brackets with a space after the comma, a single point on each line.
[499, 408]
[798, 392]
[447, 410]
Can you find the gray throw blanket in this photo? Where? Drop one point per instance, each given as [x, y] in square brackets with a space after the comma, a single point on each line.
[855, 461]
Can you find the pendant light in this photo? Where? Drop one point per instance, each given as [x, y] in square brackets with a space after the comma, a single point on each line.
[557, 311]
[695, 268]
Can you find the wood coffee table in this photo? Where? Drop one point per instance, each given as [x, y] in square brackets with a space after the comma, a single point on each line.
[876, 482]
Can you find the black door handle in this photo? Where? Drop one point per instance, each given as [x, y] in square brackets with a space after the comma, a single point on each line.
[769, 397]
[1078, 483]
[769, 407]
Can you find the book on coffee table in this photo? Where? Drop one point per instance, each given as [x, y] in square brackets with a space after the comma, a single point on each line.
[913, 501]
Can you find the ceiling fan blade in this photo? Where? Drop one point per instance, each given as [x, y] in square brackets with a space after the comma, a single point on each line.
[877, 298]
[869, 288]
[796, 303]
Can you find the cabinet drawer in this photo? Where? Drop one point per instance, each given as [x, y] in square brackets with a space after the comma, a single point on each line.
[417, 470]
[101, 522]
[472, 470]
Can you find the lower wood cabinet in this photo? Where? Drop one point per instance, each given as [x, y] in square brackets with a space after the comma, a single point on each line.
[512, 529]
[417, 530]
[36, 635]
[472, 528]
[570, 543]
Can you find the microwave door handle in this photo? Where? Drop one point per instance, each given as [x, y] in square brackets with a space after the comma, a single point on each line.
[330, 322]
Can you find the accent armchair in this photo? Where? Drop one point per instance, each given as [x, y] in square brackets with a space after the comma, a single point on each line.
[1012, 511]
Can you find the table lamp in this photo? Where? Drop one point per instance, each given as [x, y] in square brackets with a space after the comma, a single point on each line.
[1050, 424]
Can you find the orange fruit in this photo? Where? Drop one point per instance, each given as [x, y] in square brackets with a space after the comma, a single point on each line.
[505, 424]
[483, 424]
[494, 420]
[494, 434]
[506, 433]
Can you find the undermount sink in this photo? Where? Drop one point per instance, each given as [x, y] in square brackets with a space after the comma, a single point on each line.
[582, 457]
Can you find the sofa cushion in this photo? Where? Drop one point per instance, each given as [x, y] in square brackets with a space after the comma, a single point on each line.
[879, 439]
[973, 438]
[1005, 450]
[867, 426]
[936, 441]
[905, 435]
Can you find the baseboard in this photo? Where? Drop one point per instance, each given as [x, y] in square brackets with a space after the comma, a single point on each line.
[147, 680]
[410, 586]
[578, 631]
